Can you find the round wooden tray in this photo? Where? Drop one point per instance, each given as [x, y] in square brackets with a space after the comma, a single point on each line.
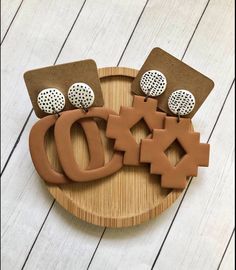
[129, 197]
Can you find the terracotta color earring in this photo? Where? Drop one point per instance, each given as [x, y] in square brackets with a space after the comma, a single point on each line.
[153, 83]
[181, 102]
[81, 96]
[52, 101]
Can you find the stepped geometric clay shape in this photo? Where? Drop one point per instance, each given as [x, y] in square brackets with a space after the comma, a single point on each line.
[153, 151]
[118, 126]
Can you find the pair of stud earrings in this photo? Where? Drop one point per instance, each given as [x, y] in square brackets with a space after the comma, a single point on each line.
[52, 100]
[153, 83]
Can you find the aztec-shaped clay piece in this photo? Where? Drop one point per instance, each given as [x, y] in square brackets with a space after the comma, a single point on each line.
[118, 126]
[39, 155]
[153, 151]
[65, 148]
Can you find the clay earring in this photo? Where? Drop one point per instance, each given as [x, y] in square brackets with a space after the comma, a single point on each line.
[153, 83]
[52, 101]
[180, 102]
[81, 96]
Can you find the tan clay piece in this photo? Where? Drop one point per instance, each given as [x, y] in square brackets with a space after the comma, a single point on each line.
[39, 155]
[153, 151]
[65, 148]
[119, 126]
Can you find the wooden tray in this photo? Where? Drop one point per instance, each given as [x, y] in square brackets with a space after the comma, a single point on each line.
[129, 197]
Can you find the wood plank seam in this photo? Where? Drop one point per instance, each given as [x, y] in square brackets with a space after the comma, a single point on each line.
[203, 12]
[127, 44]
[185, 192]
[30, 113]
[16, 143]
[63, 45]
[226, 248]
[36, 238]
[11, 22]
[100, 239]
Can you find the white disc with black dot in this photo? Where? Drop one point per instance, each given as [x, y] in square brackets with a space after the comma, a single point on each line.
[181, 102]
[153, 83]
[81, 95]
[51, 100]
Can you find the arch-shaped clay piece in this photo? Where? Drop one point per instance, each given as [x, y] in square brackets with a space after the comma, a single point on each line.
[153, 151]
[39, 155]
[118, 126]
[65, 149]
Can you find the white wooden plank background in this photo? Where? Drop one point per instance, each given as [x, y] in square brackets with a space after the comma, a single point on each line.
[228, 260]
[196, 232]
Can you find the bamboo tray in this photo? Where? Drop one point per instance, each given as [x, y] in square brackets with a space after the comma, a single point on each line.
[129, 197]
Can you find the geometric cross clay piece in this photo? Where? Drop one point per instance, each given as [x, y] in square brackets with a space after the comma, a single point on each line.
[65, 148]
[39, 154]
[153, 151]
[119, 126]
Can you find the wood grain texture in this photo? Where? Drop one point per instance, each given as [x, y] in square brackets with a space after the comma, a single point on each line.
[228, 262]
[127, 198]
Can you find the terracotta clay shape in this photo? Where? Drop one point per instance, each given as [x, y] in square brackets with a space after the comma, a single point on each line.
[39, 155]
[153, 151]
[65, 149]
[118, 127]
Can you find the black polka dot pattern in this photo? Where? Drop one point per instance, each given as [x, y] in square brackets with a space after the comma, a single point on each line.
[81, 95]
[153, 83]
[181, 102]
[51, 100]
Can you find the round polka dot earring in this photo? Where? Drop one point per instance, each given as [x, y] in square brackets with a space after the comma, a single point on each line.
[181, 102]
[51, 101]
[153, 83]
[81, 96]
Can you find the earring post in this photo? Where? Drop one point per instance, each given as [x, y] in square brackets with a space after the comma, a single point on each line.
[83, 107]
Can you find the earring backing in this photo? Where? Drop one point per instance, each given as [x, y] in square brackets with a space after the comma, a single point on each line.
[153, 83]
[181, 102]
[51, 101]
[81, 96]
